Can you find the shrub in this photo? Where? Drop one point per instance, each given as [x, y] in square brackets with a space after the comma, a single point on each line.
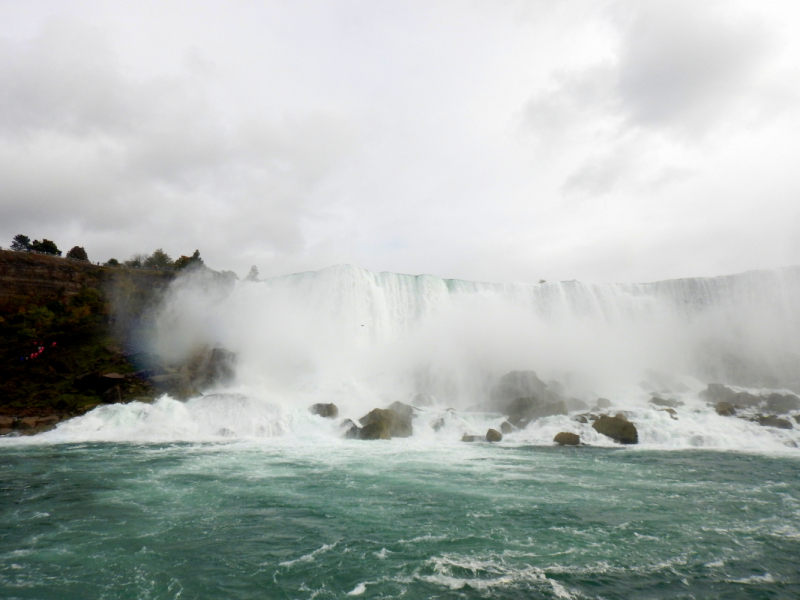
[78, 253]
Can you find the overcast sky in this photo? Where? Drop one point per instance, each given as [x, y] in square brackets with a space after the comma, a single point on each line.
[497, 140]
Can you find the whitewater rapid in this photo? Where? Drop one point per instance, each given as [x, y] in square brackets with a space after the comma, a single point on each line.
[363, 340]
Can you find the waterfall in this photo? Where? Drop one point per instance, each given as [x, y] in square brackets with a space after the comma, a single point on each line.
[344, 331]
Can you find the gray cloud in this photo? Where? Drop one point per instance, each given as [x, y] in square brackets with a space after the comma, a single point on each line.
[684, 65]
[292, 135]
[83, 142]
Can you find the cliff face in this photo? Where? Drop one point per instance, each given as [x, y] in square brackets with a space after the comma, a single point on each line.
[23, 273]
[62, 322]
[37, 275]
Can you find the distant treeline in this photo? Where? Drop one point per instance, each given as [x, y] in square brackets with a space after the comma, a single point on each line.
[157, 260]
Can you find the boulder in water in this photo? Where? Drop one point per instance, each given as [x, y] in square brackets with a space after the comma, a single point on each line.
[618, 428]
[773, 421]
[494, 436]
[397, 425]
[566, 438]
[725, 409]
[329, 411]
[603, 403]
[524, 410]
[747, 399]
[669, 402]
[580, 419]
[406, 411]
[516, 384]
[506, 427]
[376, 430]
[470, 438]
[716, 392]
[438, 424]
[349, 429]
[780, 404]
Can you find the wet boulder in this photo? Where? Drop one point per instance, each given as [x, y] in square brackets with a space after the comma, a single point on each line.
[470, 438]
[782, 404]
[566, 438]
[716, 392]
[603, 403]
[618, 428]
[522, 411]
[506, 427]
[516, 384]
[438, 424]
[580, 419]
[329, 411]
[397, 425]
[746, 399]
[773, 421]
[376, 430]
[217, 367]
[405, 411]
[494, 436]
[349, 429]
[668, 402]
[725, 409]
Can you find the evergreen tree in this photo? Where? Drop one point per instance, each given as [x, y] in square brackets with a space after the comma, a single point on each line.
[21, 243]
[253, 274]
[159, 260]
[45, 247]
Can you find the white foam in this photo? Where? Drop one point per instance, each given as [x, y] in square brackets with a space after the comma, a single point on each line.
[308, 558]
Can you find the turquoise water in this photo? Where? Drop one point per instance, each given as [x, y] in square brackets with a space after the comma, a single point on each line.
[284, 519]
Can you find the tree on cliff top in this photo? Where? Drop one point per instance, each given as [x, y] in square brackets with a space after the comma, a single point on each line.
[21, 243]
[45, 247]
[78, 253]
[189, 262]
[159, 260]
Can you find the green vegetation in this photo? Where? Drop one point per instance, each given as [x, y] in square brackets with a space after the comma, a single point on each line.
[78, 253]
[21, 243]
[45, 247]
[46, 343]
[158, 260]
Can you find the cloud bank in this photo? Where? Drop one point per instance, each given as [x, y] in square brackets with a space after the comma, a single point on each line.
[613, 141]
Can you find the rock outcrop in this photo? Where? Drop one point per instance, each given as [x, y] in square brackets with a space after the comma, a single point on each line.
[725, 409]
[494, 436]
[782, 404]
[516, 384]
[522, 411]
[329, 411]
[349, 429]
[665, 402]
[386, 421]
[773, 421]
[618, 428]
[566, 438]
